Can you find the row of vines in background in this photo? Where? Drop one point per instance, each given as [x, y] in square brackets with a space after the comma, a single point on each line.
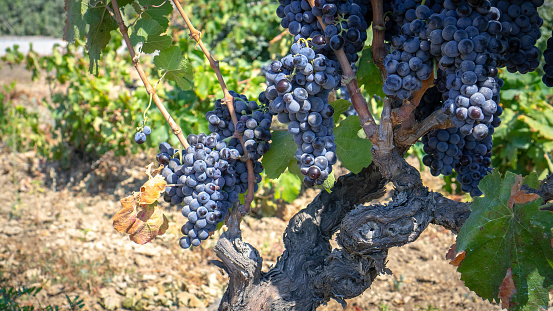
[244, 35]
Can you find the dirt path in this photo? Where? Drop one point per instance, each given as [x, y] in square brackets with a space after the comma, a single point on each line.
[64, 242]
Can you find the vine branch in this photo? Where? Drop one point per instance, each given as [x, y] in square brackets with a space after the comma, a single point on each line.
[151, 91]
[359, 103]
[379, 51]
[228, 100]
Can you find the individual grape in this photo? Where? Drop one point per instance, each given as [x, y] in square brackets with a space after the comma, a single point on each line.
[140, 138]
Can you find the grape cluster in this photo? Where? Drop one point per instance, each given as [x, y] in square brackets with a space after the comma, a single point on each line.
[443, 149]
[297, 92]
[140, 136]
[430, 102]
[520, 27]
[410, 61]
[345, 25]
[548, 67]
[474, 164]
[253, 122]
[206, 177]
[449, 149]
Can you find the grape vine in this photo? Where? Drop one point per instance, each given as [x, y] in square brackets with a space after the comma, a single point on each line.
[439, 62]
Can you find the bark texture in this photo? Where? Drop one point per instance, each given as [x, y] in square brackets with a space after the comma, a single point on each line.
[310, 272]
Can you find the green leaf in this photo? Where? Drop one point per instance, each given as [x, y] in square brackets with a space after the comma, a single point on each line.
[543, 128]
[75, 23]
[150, 32]
[122, 3]
[368, 74]
[329, 182]
[532, 180]
[353, 151]
[283, 149]
[340, 106]
[178, 68]
[288, 186]
[101, 24]
[158, 10]
[496, 238]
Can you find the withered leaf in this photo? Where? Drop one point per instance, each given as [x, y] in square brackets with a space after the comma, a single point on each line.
[150, 223]
[457, 261]
[142, 221]
[124, 219]
[150, 191]
[514, 189]
[507, 289]
[451, 252]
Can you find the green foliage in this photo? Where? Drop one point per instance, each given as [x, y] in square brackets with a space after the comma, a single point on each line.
[237, 30]
[287, 186]
[340, 106]
[176, 67]
[32, 18]
[281, 154]
[150, 33]
[20, 128]
[501, 234]
[353, 151]
[369, 75]
[101, 24]
[10, 295]
[523, 143]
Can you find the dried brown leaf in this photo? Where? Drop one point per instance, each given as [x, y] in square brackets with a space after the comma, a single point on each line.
[522, 197]
[150, 191]
[451, 252]
[514, 189]
[125, 218]
[150, 223]
[507, 290]
[457, 261]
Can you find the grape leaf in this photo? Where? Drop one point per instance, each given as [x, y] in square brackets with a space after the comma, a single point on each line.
[353, 151]
[368, 74]
[178, 68]
[283, 149]
[340, 106]
[288, 187]
[329, 182]
[122, 3]
[506, 230]
[158, 10]
[150, 191]
[140, 215]
[150, 33]
[532, 180]
[75, 23]
[101, 24]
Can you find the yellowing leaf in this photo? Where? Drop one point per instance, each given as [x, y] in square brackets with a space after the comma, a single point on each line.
[150, 192]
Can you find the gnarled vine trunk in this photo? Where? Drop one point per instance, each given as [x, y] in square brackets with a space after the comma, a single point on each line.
[310, 272]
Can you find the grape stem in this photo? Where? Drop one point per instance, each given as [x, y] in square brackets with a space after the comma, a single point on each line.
[229, 101]
[403, 113]
[409, 135]
[151, 91]
[379, 51]
[359, 103]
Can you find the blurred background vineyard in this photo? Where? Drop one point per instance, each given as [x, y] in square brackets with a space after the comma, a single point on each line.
[61, 117]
